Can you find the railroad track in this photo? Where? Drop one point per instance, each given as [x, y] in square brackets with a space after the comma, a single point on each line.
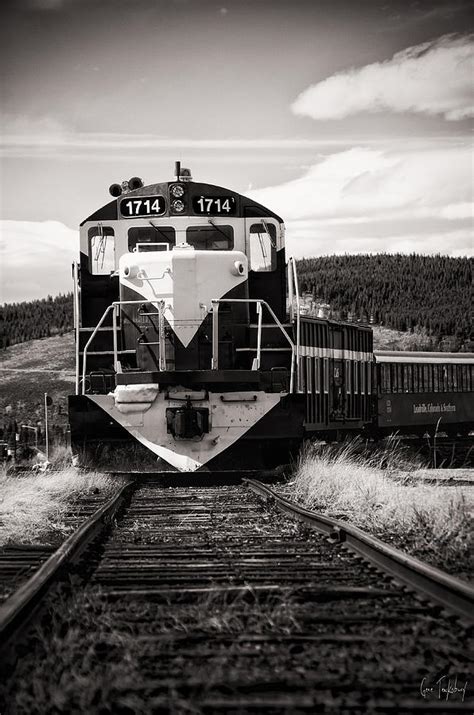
[206, 599]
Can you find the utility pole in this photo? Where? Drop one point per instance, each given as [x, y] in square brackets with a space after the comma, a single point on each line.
[47, 401]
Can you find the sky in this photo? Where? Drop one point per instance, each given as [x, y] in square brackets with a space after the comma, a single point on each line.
[352, 120]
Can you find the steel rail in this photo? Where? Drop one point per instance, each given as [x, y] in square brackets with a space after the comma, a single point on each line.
[447, 590]
[18, 608]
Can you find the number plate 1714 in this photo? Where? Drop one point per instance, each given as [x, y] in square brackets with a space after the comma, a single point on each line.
[214, 205]
[143, 206]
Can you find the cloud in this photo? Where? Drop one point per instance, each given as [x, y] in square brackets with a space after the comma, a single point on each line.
[373, 200]
[36, 259]
[433, 78]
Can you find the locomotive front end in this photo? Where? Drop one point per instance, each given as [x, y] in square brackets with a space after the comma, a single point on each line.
[180, 327]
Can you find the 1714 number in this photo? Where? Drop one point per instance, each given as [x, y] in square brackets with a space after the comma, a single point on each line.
[143, 207]
[214, 205]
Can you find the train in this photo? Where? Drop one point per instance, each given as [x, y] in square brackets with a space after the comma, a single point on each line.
[191, 340]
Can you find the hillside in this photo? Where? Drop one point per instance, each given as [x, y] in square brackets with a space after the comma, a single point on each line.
[429, 295]
[34, 319]
[29, 370]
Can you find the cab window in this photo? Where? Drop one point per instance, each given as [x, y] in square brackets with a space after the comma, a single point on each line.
[212, 237]
[159, 238]
[262, 247]
[101, 250]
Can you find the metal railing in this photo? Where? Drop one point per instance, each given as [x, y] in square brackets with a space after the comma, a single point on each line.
[260, 305]
[115, 307]
[294, 296]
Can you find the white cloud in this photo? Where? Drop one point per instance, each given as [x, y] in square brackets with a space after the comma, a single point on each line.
[373, 200]
[36, 259]
[432, 78]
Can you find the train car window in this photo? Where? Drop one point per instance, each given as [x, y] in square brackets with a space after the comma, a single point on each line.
[326, 375]
[152, 234]
[395, 377]
[406, 381]
[262, 247]
[435, 378]
[430, 377]
[348, 378]
[419, 378]
[362, 378]
[385, 377]
[317, 376]
[450, 378]
[444, 370]
[309, 375]
[212, 237]
[101, 250]
[455, 378]
[426, 370]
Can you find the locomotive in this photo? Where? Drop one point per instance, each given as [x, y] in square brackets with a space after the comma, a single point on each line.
[190, 337]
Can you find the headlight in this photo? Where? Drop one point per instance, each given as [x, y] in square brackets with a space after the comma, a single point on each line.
[178, 206]
[177, 191]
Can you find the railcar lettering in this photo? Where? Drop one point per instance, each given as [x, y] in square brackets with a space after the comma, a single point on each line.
[214, 205]
[430, 408]
[145, 206]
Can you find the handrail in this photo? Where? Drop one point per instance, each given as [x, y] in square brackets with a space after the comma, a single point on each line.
[77, 320]
[293, 289]
[86, 347]
[115, 306]
[258, 301]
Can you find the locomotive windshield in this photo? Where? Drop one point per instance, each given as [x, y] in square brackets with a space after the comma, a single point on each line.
[210, 237]
[262, 247]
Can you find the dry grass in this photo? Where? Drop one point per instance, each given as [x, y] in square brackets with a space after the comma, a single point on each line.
[390, 339]
[379, 493]
[34, 504]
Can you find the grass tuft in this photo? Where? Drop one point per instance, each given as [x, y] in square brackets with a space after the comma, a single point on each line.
[35, 504]
[379, 492]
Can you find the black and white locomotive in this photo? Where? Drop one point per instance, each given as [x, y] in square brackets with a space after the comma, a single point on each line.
[190, 338]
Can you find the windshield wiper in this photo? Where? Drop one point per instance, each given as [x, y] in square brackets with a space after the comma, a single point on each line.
[214, 225]
[159, 231]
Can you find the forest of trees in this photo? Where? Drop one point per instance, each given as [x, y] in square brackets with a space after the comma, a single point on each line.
[409, 293]
[405, 292]
[35, 319]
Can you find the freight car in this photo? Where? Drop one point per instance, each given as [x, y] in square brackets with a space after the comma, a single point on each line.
[190, 338]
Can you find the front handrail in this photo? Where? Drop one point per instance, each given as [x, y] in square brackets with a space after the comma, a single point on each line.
[86, 346]
[293, 289]
[260, 304]
[115, 306]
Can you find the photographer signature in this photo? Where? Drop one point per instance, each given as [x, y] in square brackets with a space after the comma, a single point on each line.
[444, 687]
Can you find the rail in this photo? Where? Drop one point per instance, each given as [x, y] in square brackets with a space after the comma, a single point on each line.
[260, 304]
[450, 592]
[17, 609]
